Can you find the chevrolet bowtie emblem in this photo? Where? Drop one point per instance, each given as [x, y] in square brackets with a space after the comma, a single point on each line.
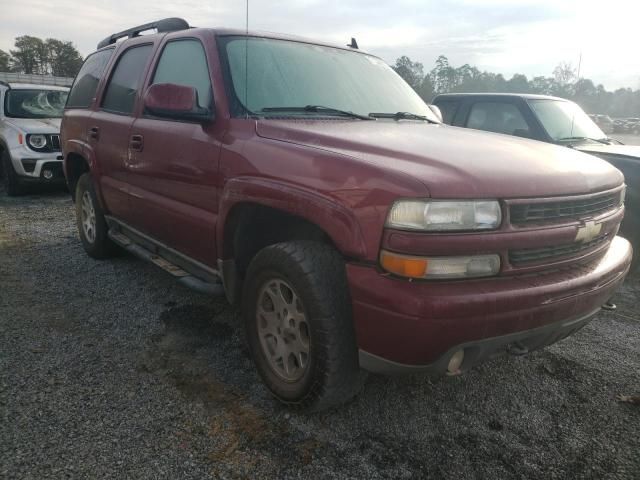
[588, 231]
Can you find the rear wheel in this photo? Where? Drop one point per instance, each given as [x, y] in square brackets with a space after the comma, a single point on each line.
[92, 226]
[297, 314]
[10, 178]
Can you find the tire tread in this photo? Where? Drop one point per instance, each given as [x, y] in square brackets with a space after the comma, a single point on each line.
[320, 266]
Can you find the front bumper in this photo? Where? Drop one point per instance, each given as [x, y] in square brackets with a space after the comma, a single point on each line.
[417, 326]
[31, 166]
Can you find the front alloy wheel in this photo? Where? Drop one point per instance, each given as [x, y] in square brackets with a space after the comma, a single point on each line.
[283, 330]
[297, 312]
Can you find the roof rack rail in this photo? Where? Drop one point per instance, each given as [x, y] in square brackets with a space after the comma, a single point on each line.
[165, 25]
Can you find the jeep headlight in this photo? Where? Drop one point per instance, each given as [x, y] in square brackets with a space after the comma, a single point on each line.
[445, 215]
[37, 141]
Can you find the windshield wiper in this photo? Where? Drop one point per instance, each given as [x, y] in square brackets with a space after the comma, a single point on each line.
[402, 116]
[317, 109]
[606, 141]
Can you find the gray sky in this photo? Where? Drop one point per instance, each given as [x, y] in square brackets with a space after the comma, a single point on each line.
[505, 36]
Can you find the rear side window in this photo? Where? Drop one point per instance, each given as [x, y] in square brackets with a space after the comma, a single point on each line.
[121, 91]
[86, 82]
[497, 117]
[183, 62]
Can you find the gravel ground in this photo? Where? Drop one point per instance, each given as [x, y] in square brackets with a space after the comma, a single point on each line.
[112, 370]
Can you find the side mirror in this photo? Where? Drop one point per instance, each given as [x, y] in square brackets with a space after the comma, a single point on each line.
[178, 102]
[436, 111]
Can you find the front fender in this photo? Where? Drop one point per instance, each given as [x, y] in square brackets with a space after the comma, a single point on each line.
[336, 220]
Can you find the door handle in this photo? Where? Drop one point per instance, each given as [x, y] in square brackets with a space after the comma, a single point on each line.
[136, 143]
[94, 132]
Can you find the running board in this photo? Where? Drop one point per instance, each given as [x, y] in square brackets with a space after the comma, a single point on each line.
[181, 275]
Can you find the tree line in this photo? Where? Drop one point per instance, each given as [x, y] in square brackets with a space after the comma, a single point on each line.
[61, 58]
[42, 57]
[564, 82]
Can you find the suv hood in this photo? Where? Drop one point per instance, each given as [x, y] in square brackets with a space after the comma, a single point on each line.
[631, 151]
[454, 162]
[36, 125]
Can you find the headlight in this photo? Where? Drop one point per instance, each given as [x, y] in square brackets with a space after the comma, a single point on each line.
[445, 215]
[440, 267]
[37, 141]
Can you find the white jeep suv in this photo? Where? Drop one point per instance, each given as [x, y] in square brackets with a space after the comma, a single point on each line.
[30, 134]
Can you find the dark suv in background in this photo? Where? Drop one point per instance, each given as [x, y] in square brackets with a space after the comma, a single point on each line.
[552, 120]
[352, 227]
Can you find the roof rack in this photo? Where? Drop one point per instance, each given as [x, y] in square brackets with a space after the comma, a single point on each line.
[165, 25]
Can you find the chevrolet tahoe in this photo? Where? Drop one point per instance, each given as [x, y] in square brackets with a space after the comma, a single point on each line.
[314, 188]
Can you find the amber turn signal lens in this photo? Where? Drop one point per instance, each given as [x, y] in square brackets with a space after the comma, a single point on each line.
[403, 265]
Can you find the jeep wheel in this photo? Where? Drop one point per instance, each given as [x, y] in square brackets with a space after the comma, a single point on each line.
[297, 315]
[10, 178]
[92, 225]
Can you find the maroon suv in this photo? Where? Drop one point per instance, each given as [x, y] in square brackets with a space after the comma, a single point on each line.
[311, 185]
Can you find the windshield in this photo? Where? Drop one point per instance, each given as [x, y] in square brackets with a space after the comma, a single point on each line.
[284, 73]
[565, 120]
[35, 103]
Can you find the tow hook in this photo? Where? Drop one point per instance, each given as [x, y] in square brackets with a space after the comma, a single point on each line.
[517, 349]
[609, 306]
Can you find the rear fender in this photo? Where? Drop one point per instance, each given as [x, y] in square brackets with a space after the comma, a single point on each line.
[86, 151]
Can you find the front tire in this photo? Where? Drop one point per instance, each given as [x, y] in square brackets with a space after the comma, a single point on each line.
[10, 178]
[297, 313]
[92, 226]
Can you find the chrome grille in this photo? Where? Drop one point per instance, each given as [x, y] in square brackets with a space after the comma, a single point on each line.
[533, 255]
[549, 212]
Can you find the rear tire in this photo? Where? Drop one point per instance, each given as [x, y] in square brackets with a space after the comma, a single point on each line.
[10, 178]
[297, 313]
[92, 226]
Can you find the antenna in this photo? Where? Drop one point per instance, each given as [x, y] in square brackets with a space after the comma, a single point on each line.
[353, 44]
[579, 65]
[573, 118]
[246, 63]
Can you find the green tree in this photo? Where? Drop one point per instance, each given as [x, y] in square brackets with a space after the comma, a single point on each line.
[52, 57]
[624, 102]
[518, 84]
[30, 55]
[586, 94]
[542, 85]
[443, 76]
[411, 72]
[63, 60]
[564, 74]
[4, 61]
[426, 90]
